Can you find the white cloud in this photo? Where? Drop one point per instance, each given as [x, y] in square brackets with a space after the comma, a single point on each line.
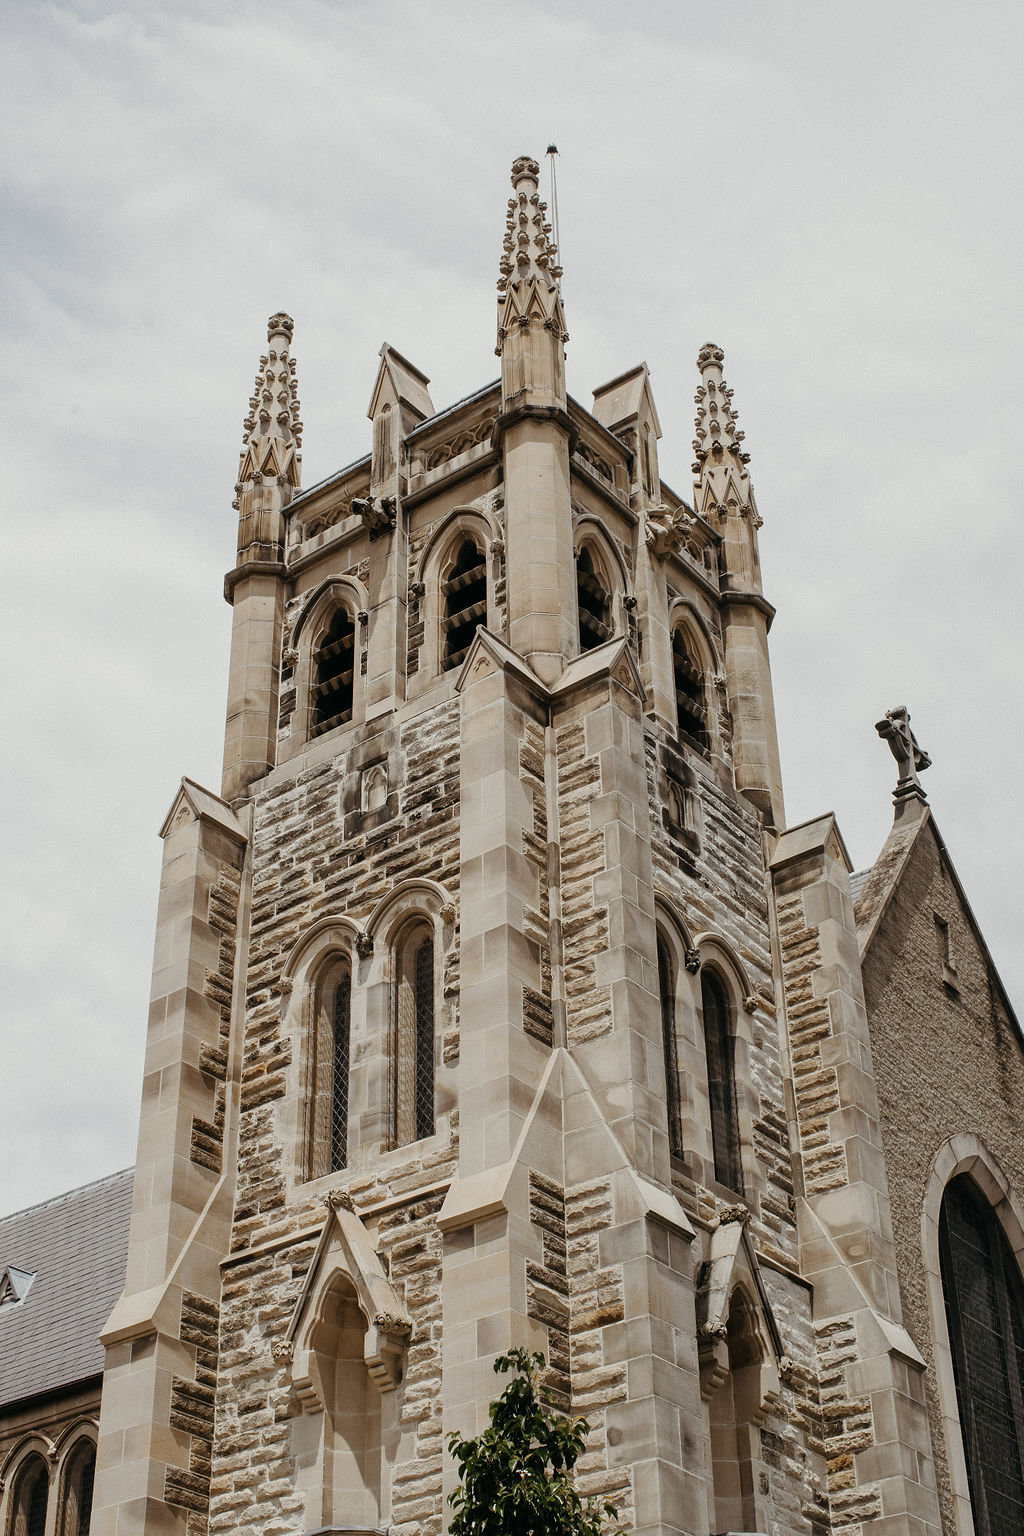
[820, 189]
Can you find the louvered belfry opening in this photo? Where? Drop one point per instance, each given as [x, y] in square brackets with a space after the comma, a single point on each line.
[465, 602]
[593, 603]
[984, 1297]
[333, 670]
[691, 713]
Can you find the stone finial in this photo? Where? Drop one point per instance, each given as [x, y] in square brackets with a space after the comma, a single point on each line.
[272, 431]
[528, 250]
[910, 759]
[721, 481]
[528, 286]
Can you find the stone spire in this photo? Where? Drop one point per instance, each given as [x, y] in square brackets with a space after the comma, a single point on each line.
[269, 469]
[531, 323]
[724, 497]
[721, 481]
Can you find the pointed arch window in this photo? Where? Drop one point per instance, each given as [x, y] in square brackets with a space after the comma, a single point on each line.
[465, 602]
[79, 1476]
[333, 672]
[719, 1045]
[984, 1297]
[593, 602]
[414, 1036]
[691, 710]
[332, 1030]
[670, 1046]
[31, 1498]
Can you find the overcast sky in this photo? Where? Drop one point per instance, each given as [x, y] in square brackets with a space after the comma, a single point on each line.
[830, 192]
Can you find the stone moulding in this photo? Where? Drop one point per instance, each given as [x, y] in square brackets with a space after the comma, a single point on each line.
[345, 1251]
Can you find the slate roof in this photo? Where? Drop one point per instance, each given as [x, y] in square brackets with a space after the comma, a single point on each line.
[858, 881]
[75, 1245]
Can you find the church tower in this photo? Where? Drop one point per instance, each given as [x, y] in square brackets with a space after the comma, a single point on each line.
[465, 1029]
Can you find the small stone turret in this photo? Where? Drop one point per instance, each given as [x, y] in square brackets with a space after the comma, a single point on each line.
[724, 497]
[268, 477]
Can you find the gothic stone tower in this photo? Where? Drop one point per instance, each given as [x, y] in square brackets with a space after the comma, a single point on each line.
[464, 1029]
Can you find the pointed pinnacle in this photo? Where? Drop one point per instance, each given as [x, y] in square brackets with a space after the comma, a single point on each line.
[272, 431]
[720, 464]
[528, 250]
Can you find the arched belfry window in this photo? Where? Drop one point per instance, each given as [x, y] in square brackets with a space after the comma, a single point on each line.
[719, 1045]
[333, 671]
[414, 1035]
[79, 1475]
[691, 710]
[332, 1030]
[670, 1045]
[984, 1297]
[31, 1497]
[593, 602]
[465, 602]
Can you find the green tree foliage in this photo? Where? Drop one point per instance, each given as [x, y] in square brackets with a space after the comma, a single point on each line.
[516, 1478]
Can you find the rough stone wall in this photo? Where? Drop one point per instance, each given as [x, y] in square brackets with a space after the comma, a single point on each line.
[582, 855]
[207, 1147]
[315, 857]
[192, 1410]
[946, 1062]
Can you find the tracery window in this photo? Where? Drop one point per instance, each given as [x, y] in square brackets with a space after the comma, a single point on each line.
[719, 1045]
[31, 1497]
[670, 1045]
[333, 671]
[465, 602]
[414, 1035]
[984, 1297]
[593, 602]
[332, 1028]
[691, 711]
[79, 1476]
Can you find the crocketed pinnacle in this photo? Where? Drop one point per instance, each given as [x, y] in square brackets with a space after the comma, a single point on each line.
[528, 287]
[272, 431]
[720, 464]
[528, 249]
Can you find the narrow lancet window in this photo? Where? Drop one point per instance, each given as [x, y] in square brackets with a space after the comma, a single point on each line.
[465, 603]
[328, 1152]
[31, 1497]
[78, 1486]
[984, 1297]
[333, 670]
[425, 1039]
[719, 1046]
[691, 713]
[340, 1072]
[593, 603]
[414, 1037]
[666, 985]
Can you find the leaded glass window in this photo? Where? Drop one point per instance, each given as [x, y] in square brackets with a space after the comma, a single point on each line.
[414, 1034]
[719, 1046]
[340, 1072]
[78, 1487]
[666, 986]
[32, 1495]
[984, 1297]
[330, 1070]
